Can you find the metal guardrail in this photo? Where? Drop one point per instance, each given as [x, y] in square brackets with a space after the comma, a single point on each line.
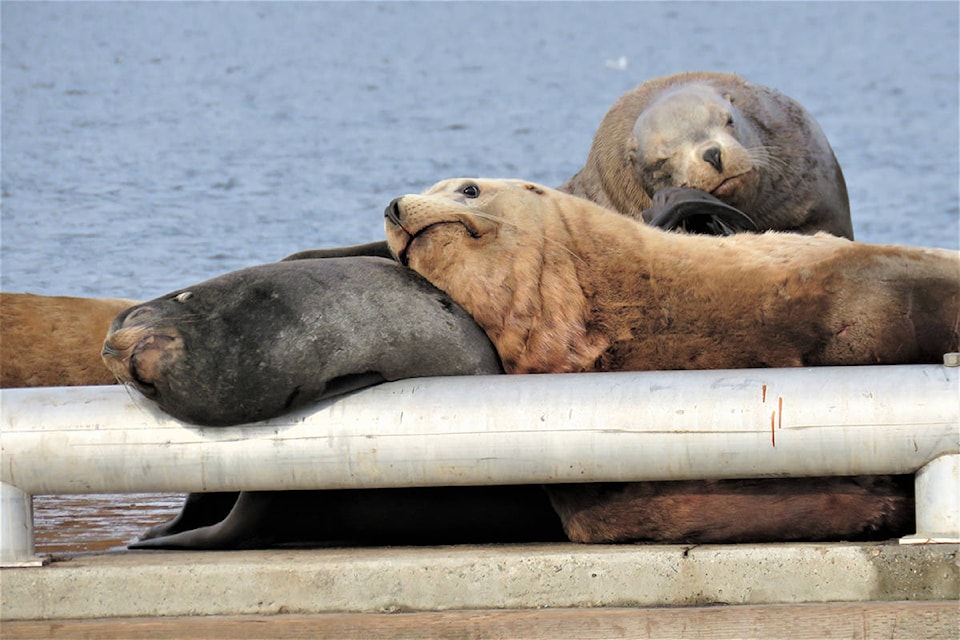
[594, 427]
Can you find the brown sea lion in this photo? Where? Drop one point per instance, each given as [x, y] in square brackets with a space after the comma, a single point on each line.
[753, 147]
[561, 285]
[54, 341]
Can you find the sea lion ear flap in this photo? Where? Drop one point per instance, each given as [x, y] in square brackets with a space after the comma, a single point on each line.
[534, 188]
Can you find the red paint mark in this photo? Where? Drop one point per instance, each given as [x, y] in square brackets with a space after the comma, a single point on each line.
[764, 393]
[773, 431]
[780, 412]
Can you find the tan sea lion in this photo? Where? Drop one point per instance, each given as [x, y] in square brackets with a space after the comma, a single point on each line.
[751, 146]
[53, 341]
[561, 284]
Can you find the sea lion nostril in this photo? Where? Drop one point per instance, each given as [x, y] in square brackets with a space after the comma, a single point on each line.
[392, 212]
[712, 157]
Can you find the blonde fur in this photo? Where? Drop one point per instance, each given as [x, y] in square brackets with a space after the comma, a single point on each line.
[561, 284]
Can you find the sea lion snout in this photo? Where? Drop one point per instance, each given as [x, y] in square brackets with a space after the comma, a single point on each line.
[136, 350]
[712, 156]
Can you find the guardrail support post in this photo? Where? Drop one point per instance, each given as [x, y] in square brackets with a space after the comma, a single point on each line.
[938, 502]
[16, 528]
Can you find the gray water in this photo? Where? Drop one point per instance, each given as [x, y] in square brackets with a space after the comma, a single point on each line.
[148, 146]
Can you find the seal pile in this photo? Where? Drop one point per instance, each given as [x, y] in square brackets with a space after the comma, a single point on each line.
[675, 161]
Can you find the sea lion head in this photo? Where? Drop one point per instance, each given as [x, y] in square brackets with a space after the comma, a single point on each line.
[503, 250]
[694, 136]
[255, 343]
[210, 354]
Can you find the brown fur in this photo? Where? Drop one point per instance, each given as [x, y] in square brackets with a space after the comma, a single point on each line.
[777, 165]
[716, 511]
[563, 285]
[51, 341]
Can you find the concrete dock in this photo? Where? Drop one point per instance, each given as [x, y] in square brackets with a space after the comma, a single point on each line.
[494, 591]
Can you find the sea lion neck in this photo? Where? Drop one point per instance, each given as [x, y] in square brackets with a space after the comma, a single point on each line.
[548, 326]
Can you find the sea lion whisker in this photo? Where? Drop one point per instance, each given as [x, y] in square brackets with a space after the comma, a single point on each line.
[768, 157]
[139, 400]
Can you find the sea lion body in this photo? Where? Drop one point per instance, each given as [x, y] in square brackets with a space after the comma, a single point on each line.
[411, 516]
[256, 342]
[54, 341]
[561, 284]
[751, 146]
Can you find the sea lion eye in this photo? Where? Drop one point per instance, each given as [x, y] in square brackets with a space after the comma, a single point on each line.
[729, 121]
[470, 190]
[183, 297]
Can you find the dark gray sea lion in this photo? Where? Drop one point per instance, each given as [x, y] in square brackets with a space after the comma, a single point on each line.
[258, 342]
[411, 516]
[751, 146]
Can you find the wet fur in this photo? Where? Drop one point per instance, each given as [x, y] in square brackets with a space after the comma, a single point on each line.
[796, 185]
[563, 285]
[52, 341]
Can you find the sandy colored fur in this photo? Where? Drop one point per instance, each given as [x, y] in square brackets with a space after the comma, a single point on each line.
[561, 284]
[55, 340]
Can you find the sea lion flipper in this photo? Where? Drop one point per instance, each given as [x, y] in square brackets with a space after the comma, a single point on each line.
[247, 514]
[695, 211]
[377, 249]
[199, 509]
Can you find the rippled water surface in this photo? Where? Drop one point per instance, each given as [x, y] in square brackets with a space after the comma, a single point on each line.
[149, 146]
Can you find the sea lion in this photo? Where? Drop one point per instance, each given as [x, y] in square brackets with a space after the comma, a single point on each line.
[409, 516]
[258, 342]
[561, 284]
[752, 146]
[54, 341]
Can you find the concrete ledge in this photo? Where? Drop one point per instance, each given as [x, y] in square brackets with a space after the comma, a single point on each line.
[158, 583]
